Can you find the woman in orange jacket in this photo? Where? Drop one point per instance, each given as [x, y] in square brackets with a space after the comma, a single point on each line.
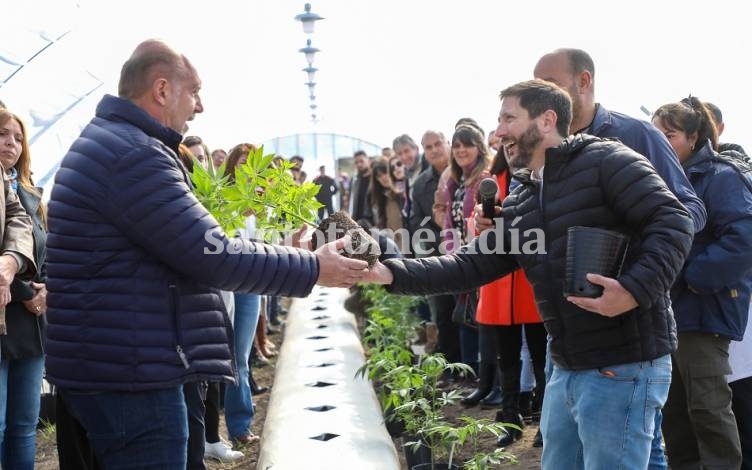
[505, 306]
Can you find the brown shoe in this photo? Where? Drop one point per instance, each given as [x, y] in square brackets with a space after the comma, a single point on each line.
[244, 440]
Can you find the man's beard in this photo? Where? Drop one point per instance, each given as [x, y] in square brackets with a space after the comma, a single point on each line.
[525, 144]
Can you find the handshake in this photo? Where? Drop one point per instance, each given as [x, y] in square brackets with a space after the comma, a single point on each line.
[344, 261]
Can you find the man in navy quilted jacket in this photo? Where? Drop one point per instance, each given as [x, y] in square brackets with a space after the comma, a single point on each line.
[134, 270]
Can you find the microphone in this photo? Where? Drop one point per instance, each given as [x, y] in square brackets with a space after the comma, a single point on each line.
[488, 192]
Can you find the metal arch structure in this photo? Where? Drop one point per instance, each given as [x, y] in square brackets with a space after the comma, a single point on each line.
[320, 147]
[47, 97]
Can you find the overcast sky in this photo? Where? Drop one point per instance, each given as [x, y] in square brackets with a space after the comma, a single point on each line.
[386, 67]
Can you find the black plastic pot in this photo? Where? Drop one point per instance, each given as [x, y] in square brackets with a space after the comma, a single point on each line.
[592, 250]
[394, 426]
[436, 466]
[413, 458]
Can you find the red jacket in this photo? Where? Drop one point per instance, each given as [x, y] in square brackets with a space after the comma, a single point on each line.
[509, 300]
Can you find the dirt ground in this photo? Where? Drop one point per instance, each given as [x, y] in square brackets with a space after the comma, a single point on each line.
[47, 451]
[529, 457]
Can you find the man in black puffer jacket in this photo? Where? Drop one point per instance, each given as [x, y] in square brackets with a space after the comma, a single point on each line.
[612, 353]
[135, 264]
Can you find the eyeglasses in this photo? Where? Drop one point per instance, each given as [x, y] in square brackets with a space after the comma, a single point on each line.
[397, 164]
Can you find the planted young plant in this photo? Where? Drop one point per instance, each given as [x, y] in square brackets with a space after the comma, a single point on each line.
[392, 318]
[447, 440]
[417, 400]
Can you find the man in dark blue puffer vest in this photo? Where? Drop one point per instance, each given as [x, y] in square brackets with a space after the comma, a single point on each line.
[135, 263]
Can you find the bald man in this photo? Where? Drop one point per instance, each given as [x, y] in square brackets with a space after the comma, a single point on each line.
[135, 265]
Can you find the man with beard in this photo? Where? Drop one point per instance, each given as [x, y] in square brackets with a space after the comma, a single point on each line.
[574, 71]
[611, 354]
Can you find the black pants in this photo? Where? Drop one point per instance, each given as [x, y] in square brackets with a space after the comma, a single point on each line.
[195, 392]
[73, 449]
[211, 415]
[449, 332]
[509, 340]
[741, 403]
[328, 207]
[487, 343]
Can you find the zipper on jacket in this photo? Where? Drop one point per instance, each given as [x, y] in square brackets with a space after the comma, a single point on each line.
[176, 323]
[184, 360]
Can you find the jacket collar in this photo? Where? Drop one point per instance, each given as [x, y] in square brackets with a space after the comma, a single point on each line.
[601, 119]
[29, 200]
[114, 108]
[701, 161]
[559, 155]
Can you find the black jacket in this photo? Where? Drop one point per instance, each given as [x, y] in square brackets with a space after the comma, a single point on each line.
[424, 189]
[26, 331]
[591, 182]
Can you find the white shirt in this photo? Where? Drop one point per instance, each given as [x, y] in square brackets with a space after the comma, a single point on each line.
[740, 356]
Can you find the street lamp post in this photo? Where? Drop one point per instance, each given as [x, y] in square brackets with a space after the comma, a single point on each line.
[308, 19]
[311, 72]
[309, 51]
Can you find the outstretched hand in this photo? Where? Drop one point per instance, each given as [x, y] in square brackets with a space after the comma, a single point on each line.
[614, 301]
[336, 270]
[379, 274]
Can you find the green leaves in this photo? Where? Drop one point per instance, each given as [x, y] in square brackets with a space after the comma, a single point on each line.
[261, 187]
[408, 388]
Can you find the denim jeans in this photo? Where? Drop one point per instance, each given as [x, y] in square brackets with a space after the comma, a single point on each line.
[238, 399]
[603, 418]
[20, 392]
[657, 453]
[133, 430]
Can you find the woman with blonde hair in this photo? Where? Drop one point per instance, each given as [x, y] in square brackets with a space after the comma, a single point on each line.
[22, 348]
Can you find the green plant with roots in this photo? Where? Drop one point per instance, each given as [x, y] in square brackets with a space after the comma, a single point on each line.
[261, 187]
[446, 440]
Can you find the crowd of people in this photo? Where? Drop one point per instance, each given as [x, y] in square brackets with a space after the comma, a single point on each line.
[110, 297]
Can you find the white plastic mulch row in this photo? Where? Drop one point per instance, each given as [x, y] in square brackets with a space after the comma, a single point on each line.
[320, 416]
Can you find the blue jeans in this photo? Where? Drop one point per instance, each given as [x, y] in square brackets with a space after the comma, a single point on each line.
[238, 399]
[20, 392]
[133, 430]
[603, 418]
[657, 454]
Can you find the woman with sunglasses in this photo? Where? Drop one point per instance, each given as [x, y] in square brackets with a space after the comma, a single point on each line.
[387, 201]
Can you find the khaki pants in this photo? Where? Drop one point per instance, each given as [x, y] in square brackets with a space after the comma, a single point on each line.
[698, 425]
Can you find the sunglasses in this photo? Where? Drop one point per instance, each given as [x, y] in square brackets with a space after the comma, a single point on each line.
[397, 164]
